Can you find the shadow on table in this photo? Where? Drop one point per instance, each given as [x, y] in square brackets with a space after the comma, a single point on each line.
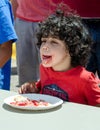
[16, 110]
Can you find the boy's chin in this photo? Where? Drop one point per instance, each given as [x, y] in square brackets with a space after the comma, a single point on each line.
[46, 65]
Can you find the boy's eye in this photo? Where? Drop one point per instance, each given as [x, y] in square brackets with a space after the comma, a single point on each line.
[53, 42]
[43, 41]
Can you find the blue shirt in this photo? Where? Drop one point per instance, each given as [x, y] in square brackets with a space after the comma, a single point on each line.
[7, 33]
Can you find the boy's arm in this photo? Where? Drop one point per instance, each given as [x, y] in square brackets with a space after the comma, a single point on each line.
[30, 87]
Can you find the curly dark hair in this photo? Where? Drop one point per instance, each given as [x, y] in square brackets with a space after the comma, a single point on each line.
[68, 26]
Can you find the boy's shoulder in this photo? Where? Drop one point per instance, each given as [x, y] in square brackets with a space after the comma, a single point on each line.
[81, 73]
[88, 76]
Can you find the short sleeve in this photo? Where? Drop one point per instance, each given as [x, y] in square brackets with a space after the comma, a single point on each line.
[7, 31]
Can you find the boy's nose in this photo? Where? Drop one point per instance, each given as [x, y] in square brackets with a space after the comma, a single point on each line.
[45, 48]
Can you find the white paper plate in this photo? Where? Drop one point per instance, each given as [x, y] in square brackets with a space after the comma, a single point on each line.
[54, 101]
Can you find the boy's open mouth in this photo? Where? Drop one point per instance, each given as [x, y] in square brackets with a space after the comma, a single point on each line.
[46, 59]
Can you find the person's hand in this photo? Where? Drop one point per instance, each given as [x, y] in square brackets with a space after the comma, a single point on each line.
[28, 87]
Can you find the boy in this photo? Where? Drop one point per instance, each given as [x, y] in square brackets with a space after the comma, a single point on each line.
[64, 48]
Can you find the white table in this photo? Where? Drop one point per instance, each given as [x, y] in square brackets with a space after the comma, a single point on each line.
[69, 116]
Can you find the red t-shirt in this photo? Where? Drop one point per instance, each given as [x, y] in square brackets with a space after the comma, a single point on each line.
[86, 8]
[35, 10]
[76, 85]
[38, 10]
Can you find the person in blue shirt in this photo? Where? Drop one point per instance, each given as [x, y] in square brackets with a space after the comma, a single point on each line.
[7, 37]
